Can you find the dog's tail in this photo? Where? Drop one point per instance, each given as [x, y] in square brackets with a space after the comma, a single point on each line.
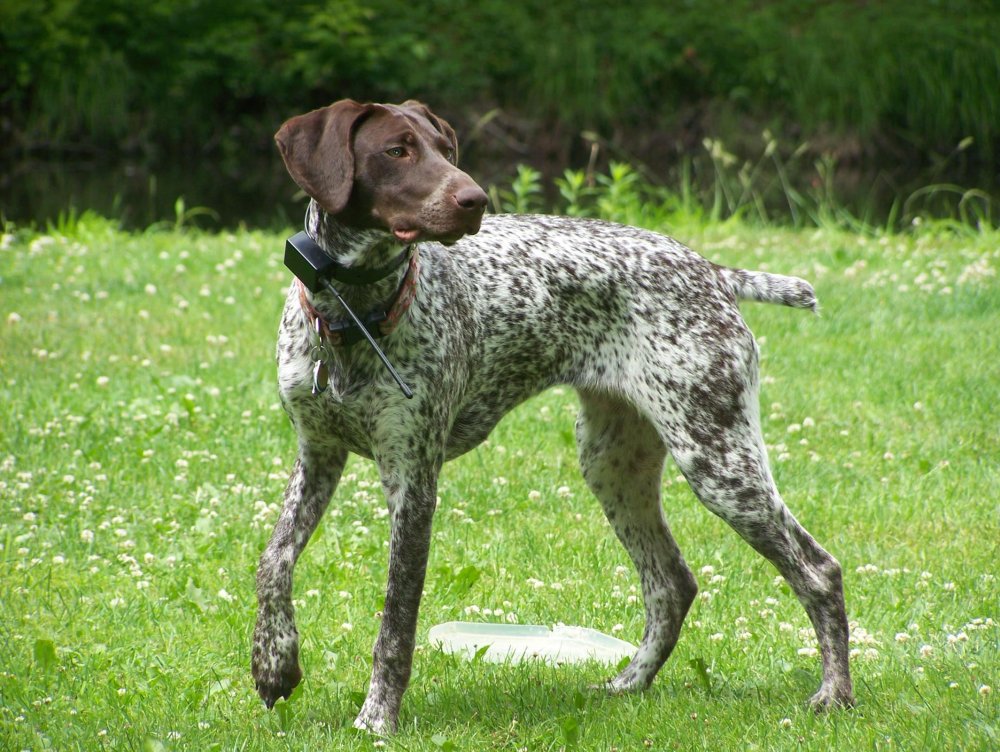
[765, 287]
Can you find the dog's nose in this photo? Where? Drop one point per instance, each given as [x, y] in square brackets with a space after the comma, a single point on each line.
[471, 198]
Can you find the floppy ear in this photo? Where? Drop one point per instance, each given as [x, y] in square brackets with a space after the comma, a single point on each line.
[318, 153]
[440, 124]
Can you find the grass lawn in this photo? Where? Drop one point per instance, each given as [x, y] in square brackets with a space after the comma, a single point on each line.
[143, 456]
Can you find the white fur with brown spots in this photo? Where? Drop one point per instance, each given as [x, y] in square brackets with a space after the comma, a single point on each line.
[647, 331]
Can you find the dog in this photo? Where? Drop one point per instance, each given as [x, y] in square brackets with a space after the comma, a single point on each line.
[480, 313]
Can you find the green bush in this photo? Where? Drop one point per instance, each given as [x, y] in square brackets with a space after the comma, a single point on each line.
[923, 73]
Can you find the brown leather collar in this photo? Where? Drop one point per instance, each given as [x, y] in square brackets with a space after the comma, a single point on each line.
[379, 322]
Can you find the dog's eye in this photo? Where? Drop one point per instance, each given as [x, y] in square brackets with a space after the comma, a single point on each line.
[449, 154]
[396, 152]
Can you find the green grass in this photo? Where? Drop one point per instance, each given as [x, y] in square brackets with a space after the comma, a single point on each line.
[143, 457]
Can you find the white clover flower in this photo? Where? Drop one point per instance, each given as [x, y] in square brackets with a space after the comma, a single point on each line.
[785, 723]
[985, 690]
[808, 652]
[926, 650]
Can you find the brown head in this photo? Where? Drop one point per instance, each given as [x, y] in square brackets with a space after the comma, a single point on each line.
[383, 166]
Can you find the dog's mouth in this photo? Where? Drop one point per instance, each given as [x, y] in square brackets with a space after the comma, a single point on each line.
[409, 235]
[406, 235]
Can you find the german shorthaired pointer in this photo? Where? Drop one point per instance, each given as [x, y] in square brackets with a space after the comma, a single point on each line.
[483, 313]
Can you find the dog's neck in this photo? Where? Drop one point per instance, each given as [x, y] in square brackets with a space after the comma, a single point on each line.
[349, 246]
[357, 248]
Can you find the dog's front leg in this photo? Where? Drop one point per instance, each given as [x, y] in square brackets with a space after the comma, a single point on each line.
[411, 496]
[275, 662]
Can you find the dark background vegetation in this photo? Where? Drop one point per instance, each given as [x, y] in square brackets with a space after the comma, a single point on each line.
[896, 94]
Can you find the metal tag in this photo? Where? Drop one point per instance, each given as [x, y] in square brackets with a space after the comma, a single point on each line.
[321, 378]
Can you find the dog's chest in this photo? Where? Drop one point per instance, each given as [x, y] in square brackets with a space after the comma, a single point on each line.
[339, 414]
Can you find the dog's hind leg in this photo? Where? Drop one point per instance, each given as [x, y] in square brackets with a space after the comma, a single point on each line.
[275, 661]
[621, 456]
[718, 445]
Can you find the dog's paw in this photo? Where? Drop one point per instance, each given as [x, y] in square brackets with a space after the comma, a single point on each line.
[609, 687]
[275, 685]
[375, 718]
[629, 680]
[275, 665]
[831, 697]
[374, 726]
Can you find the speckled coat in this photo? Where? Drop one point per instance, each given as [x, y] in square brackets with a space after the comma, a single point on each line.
[650, 335]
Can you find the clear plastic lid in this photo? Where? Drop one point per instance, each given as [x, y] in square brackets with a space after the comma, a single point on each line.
[501, 643]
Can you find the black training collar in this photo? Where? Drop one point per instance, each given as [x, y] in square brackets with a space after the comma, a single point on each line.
[302, 254]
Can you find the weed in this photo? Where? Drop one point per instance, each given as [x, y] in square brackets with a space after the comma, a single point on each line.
[759, 192]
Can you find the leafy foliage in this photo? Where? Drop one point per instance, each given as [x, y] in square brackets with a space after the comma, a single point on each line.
[926, 73]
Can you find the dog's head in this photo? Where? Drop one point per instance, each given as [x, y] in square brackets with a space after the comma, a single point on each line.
[383, 166]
